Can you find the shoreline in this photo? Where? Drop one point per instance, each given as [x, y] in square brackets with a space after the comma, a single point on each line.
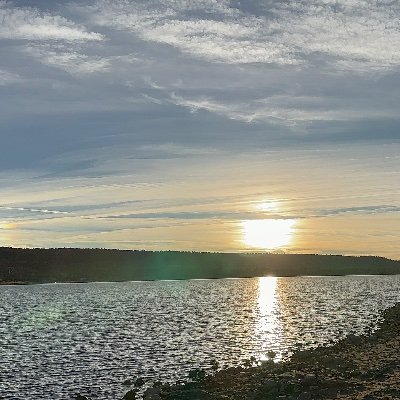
[15, 283]
[28, 283]
[355, 368]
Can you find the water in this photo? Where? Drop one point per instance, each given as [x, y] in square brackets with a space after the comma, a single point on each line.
[56, 340]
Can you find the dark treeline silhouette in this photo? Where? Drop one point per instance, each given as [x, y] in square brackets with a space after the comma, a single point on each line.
[83, 265]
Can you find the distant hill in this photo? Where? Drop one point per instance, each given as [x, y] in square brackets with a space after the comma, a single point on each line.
[83, 265]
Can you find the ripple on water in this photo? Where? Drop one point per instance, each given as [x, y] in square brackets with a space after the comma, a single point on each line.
[56, 340]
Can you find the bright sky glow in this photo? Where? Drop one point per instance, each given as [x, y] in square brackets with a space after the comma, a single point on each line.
[268, 206]
[6, 225]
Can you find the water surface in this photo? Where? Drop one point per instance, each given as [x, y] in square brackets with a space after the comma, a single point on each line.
[59, 339]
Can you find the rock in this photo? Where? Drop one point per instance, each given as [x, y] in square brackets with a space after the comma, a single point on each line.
[309, 379]
[197, 374]
[287, 388]
[331, 362]
[353, 339]
[130, 395]
[271, 354]
[79, 396]
[165, 387]
[355, 373]
[127, 382]
[302, 355]
[288, 374]
[214, 365]
[139, 382]
[304, 396]
[369, 397]
[267, 364]
[270, 387]
[152, 393]
[329, 392]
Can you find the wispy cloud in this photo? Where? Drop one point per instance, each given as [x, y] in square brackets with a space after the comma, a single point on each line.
[216, 32]
[281, 109]
[240, 215]
[355, 35]
[50, 38]
[359, 35]
[32, 210]
[67, 59]
[368, 209]
[31, 24]
[8, 78]
[247, 66]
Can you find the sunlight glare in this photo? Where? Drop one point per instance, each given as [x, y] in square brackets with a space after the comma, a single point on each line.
[267, 233]
[268, 205]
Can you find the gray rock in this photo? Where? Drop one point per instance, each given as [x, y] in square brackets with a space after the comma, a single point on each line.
[304, 396]
[139, 382]
[130, 395]
[270, 387]
[152, 393]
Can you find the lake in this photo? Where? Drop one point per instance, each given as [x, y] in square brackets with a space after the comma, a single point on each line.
[59, 339]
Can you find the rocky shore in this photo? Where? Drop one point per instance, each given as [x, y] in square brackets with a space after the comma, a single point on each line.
[359, 368]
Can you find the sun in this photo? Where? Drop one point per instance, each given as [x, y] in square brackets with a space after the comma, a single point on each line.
[267, 234]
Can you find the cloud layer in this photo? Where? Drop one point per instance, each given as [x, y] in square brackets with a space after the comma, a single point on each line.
[119, 116]
[28, 23]
[272, 62]
[355, 35]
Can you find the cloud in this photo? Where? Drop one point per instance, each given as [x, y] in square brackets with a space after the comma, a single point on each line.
[168, 150]
[8, 78]
[197, 215]
[358, 36]
[239, 216]
[277, 63]
[373, 209]
[281, 109]
[31, 210]
[31, 24]
[67, 59]
[196, 28]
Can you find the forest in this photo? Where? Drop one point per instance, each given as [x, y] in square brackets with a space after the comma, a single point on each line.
[87, 265]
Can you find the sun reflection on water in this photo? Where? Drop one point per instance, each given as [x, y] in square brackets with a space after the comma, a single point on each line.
[268, 326]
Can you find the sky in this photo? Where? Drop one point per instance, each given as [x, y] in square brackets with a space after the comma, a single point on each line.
[201, 125]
